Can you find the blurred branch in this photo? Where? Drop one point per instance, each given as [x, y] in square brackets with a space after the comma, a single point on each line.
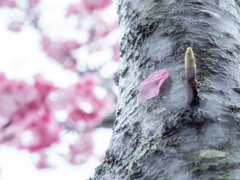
[5, 126]
[108, 121]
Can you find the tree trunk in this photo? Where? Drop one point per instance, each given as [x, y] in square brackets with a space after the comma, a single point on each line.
[165, 137]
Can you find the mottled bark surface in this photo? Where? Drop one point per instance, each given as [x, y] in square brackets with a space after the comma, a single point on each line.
[164, 137]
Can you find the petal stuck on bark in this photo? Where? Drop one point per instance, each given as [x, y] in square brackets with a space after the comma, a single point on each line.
[150, 87]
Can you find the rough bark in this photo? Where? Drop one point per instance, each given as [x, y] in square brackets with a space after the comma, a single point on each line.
[165, 137]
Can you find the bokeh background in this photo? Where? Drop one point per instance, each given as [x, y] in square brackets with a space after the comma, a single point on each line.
[57, 94]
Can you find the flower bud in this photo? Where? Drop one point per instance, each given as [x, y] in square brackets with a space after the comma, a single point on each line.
[190, 66]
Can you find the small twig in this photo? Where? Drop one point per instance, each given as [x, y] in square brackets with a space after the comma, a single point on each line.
[5, 126]
[192, 91]
[174, 142]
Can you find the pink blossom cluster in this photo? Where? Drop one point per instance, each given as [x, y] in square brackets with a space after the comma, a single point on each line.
[82, 150]
[31, 108]
[14, 4]
[9, 3]
[87, 7]
[103, 28]
[15, 26]
[28, 11]
[61, 51]
[100, 29]
[34, 3]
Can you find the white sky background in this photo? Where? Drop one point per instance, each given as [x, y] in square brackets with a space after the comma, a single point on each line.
[21, 57]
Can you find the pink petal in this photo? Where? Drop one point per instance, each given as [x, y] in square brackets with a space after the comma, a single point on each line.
[150, 87]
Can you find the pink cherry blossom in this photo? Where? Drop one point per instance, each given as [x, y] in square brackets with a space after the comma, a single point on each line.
[103, 30]
[32, 108]
[59, 99]
[89, 118]
[15, 26]
[84, 92]
[150, 87]
[42, 163]
[34, 2]
[23, 93]
[92, 5]
[87, 7]
[106, 28]
[7, 105]
[82, 149]
[43, 87]
[61, 51]
[71, 45]
[9, 3]
[46, 132]
[74, 9]
[5, 83]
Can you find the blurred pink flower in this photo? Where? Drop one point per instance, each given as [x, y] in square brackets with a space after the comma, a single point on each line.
[71, 45]
[61, 51]
[83, 91]
[107, 28]
[5, 83]
[26, 108]
[34, 2]
[74, 9]
[91, 5]
[86, 7]
[82, 149]
[31, 108]
[43, 87]
[42, 163]
[15, 26]
[9, 3]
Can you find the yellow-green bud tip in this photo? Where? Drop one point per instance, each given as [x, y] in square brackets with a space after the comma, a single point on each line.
[189, 58]
[189, 50]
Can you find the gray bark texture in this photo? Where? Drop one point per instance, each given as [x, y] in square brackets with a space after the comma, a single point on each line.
[165, 138]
